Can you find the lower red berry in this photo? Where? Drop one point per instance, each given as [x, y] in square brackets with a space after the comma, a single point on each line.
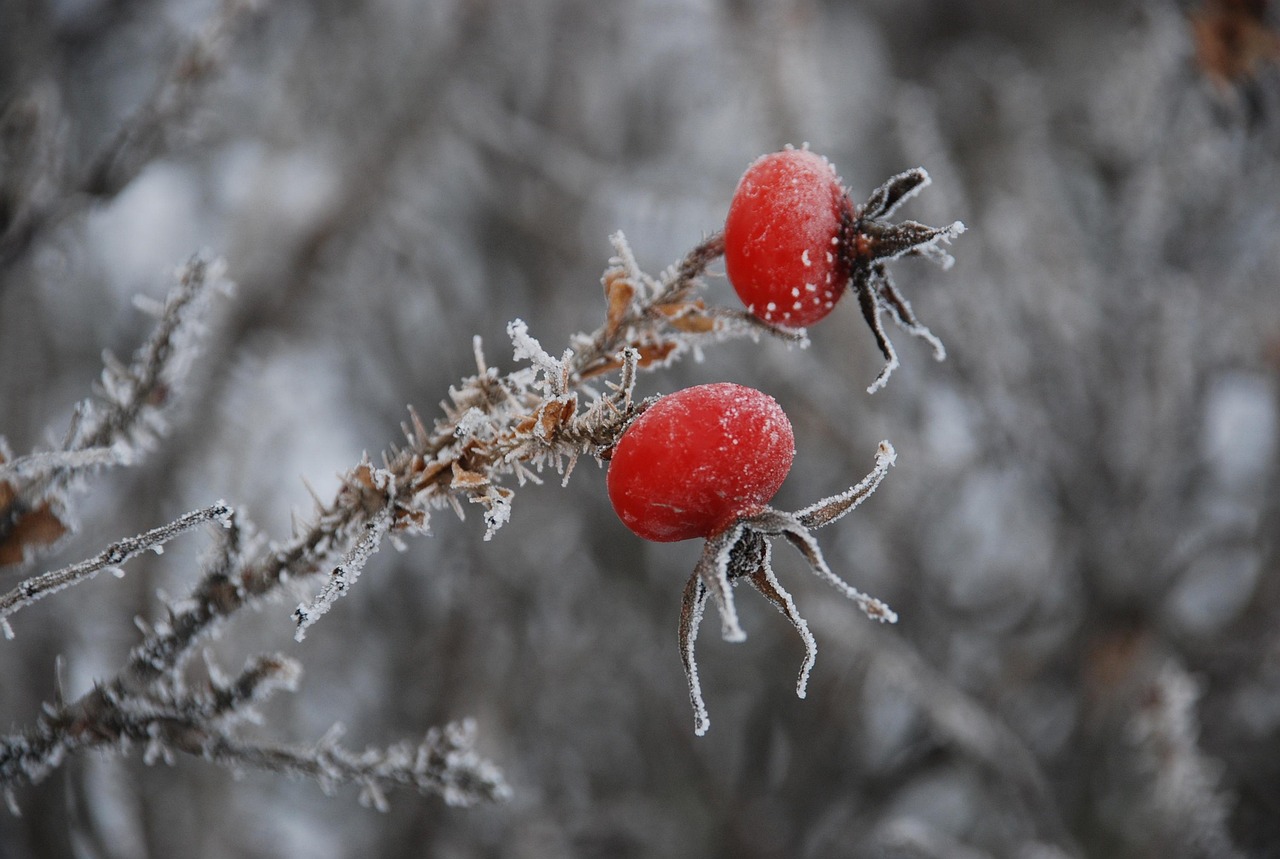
[698, 459]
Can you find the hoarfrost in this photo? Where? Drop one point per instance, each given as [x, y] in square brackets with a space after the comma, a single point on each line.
[344, 575]
[473, 424]
[497, 502]
[554, 372]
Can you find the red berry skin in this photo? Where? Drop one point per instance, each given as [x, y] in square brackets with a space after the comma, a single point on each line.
[698, 459]
[782, 238]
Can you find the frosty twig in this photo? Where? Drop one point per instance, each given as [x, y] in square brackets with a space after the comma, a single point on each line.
[115, 428]
[46, 584]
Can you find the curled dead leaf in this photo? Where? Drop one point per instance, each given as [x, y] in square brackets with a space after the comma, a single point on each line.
[618, 291]
[463, 479]
[656, 353]
[554, 414]
[1233, 40]
[24, 530]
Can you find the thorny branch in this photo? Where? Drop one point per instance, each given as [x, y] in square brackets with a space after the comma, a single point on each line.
[525, 421]
[150, 130]
[119, 425]
[494, 426]
[444, 763]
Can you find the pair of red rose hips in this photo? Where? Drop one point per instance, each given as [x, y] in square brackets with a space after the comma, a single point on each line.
[705, 461]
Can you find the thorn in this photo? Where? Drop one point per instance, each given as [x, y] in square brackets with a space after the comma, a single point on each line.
[311, 490]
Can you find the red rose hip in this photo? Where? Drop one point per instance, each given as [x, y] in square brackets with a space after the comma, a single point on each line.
[698, 459]
[704, 462]
[794, 243]
[782, 238]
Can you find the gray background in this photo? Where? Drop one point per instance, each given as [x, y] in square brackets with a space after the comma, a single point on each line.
[1077, 536]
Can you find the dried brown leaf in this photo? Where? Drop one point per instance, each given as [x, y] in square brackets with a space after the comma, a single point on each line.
[463, 479]
[1233, 40]
[618, 291]
[28, 529]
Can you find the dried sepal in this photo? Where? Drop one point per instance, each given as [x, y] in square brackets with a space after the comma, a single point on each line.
[895, 191]
[714, 571]
[870, 241]
[24, 530]
[764, 581]
[692, 607]
[829, 510]
[742, 552]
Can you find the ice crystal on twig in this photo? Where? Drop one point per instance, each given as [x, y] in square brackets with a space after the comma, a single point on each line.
[444, 763]
[1181, 794]
[150, 131]
[344, 575]
[543, 416]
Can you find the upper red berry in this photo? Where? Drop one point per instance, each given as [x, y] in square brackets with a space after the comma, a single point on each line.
[782, 238]
[698, 459]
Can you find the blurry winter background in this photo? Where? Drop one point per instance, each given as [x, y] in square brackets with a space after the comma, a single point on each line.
[1078, 535]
